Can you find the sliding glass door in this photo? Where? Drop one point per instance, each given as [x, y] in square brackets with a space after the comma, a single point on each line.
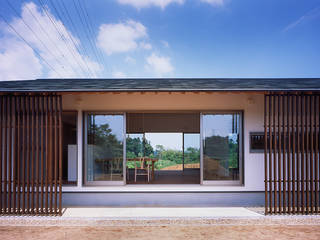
[104, 149]
[220, 151]
[222, 148]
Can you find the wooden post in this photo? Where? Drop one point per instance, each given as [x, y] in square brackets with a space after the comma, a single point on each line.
[47, 154]
[270, 153]
[299, 137]
[51, 150]
[316, 153]
[9, 146]
[56, 154]
[265, 154]
[279, 153]
[14, 160]
[284, 152]
[1, 157]
[32, 145]
[293, 132]
[311, 159]
[60, 154]
[42, 154]
[37, 148]
[5, 123]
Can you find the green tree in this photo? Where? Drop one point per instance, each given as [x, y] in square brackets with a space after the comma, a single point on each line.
[134, 147]
[233, 154]
[192, 155]
[106, 144]
[138, 148]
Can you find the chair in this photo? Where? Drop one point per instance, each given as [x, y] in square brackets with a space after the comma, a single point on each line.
[142, 170]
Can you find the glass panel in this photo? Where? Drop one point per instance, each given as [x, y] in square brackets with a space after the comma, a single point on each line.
[168, 149]
[69, 148]
[135, 148]
[221, 146]
[104, 148]
[191, 150]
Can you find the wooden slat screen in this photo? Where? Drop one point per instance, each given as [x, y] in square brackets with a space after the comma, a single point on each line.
[30, 154]
[292, 153]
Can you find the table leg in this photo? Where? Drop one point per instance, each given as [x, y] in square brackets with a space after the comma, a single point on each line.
[152, 170]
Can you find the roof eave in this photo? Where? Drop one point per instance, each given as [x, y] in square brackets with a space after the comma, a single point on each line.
[160, 90]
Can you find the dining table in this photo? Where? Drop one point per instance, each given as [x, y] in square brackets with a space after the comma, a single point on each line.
[146, 159]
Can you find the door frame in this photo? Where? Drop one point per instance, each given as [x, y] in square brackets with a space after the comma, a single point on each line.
[85, 128]
[239, 182]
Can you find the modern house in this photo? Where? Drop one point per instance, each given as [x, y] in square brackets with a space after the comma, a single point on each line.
[245, 142]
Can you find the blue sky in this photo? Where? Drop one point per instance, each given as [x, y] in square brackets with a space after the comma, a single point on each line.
[159, 38]
[171, 140]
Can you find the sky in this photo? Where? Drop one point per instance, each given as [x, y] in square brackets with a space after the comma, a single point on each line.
[171, 140]
[159, 38]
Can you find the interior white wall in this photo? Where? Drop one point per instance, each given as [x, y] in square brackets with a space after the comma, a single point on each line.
[252, 104]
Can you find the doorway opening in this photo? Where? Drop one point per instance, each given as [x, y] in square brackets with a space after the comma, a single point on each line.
[163, 148]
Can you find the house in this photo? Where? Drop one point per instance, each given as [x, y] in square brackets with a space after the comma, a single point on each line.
[71, 142]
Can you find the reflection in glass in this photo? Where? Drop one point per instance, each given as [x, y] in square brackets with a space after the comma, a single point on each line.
[191, 150]
[104, 148]
[69, 148]
[221, 146]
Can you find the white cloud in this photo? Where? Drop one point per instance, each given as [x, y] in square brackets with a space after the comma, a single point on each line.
[165, 43]
[129, 59]
[145, 45]
[18, 61]
[214, 2]
[121, 37]
[65, 59]
[118, 74]
[159, 65]
[148, 3]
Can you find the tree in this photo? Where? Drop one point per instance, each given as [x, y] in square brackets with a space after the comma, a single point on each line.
[106, 144]
[192, 155]
[139, 148]
[134, 147]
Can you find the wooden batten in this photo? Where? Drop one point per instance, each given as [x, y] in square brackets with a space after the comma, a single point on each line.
[292, 153]
[30, 154]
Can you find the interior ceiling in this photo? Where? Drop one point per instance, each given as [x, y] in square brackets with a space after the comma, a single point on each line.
[163, 122]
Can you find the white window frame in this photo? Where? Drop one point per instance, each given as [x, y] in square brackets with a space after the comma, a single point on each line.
[84, 140]
[239, 182]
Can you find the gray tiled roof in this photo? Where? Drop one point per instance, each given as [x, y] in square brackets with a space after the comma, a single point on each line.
[163, 84]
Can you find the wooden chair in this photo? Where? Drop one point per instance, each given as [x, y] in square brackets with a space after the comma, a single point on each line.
[143, 169]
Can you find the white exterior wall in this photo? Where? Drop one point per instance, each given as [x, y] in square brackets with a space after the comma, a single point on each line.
[251, 104]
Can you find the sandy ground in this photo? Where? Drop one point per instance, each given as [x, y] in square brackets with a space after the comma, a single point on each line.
[163, 232]
[273, 227]
[262, 227]
[179, 166]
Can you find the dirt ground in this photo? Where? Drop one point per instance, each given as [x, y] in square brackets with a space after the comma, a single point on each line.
[274, 232]
[179, 166]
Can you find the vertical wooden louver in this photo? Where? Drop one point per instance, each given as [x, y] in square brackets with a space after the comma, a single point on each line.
[30, 154]
[292, 153]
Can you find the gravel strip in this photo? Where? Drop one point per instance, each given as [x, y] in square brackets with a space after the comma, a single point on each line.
[60, 221]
